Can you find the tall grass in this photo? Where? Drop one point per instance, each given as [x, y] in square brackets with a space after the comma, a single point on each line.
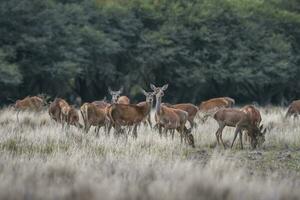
[40, 160]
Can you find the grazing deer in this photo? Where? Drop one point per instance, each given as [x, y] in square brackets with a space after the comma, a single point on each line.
[34, 103]
[92, 115]
[207, 108]
[171, 118]
[242, 121]
[62, 112]
[254, 115]
[129, 114]
[187, 107]
[293, 109]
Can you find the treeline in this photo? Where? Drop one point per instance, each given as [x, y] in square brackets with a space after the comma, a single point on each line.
[246, 49]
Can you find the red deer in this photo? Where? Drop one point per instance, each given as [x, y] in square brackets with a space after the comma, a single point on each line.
[101, 104]
[293, 109]
[254, 115]
[128, 115]
[171, 118]
[242, 121]
[62, 112]
[207, 108]
[187, 107]
[149, 98]
[92, 115]
[34, 103]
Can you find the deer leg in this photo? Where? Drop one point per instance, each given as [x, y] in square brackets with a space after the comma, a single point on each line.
[241, 138]
[237, 130]
[220, 135]
[159, 130]
[149, 121]
[18, 116]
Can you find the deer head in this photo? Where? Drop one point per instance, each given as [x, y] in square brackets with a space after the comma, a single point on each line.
[159, 91]
[148, 95]
[115, 94]
[259, 136]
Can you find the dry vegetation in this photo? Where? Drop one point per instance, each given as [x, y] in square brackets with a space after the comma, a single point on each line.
[41, 161]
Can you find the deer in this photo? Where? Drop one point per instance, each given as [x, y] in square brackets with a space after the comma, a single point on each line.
[207, 108]
[93, 115]
[293, 109]
[241, 121]
[33, 103]
[191, 109]
[115, 94]
[129, 114]
[255, 117]
[171, 118]
[62, 112]
[149, 98]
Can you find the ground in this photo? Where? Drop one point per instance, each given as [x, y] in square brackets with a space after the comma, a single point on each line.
[40, 160]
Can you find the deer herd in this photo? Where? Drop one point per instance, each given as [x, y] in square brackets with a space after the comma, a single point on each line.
[123, 116]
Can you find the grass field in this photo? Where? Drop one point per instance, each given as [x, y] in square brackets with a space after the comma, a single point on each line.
[41, 161]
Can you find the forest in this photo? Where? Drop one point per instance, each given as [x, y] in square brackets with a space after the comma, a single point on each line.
[246, 49]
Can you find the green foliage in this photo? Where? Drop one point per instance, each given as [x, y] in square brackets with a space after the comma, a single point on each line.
[241, 48]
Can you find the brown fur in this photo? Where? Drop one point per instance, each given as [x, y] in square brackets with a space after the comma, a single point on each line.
[241, 120]
[123, 100]
[127, 115]
[34, 103]
[93, 116]
[255, 117]
[187, 107]
[293, 109]
[62, 112]
[101, 104]
[212, 105]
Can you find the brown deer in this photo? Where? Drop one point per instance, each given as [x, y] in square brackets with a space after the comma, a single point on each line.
[62, 112]
[92, 115]
[187, 107]
[242, 121]
[34, 103]
[171, 118]
[207, 108]
[293, 109]
[255, 117]
[128, 115]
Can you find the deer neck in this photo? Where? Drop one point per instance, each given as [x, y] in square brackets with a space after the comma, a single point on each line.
[158, 105]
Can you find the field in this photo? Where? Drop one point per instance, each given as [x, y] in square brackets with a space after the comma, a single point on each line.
[39, 160]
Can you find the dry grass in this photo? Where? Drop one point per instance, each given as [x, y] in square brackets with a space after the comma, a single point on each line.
[39, 160]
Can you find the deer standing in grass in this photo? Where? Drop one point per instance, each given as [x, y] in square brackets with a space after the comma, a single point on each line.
[293, 109]
[191, 109]
[34, 103]
[129, 114]
[149, 99]
[93, 115]
[254, 115]
[171, 118]
[62, 112]
[209, 107]
[242, 121]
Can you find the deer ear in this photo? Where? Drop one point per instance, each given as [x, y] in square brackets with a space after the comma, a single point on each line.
[165, 87]
[152, 87]
[144, 92]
